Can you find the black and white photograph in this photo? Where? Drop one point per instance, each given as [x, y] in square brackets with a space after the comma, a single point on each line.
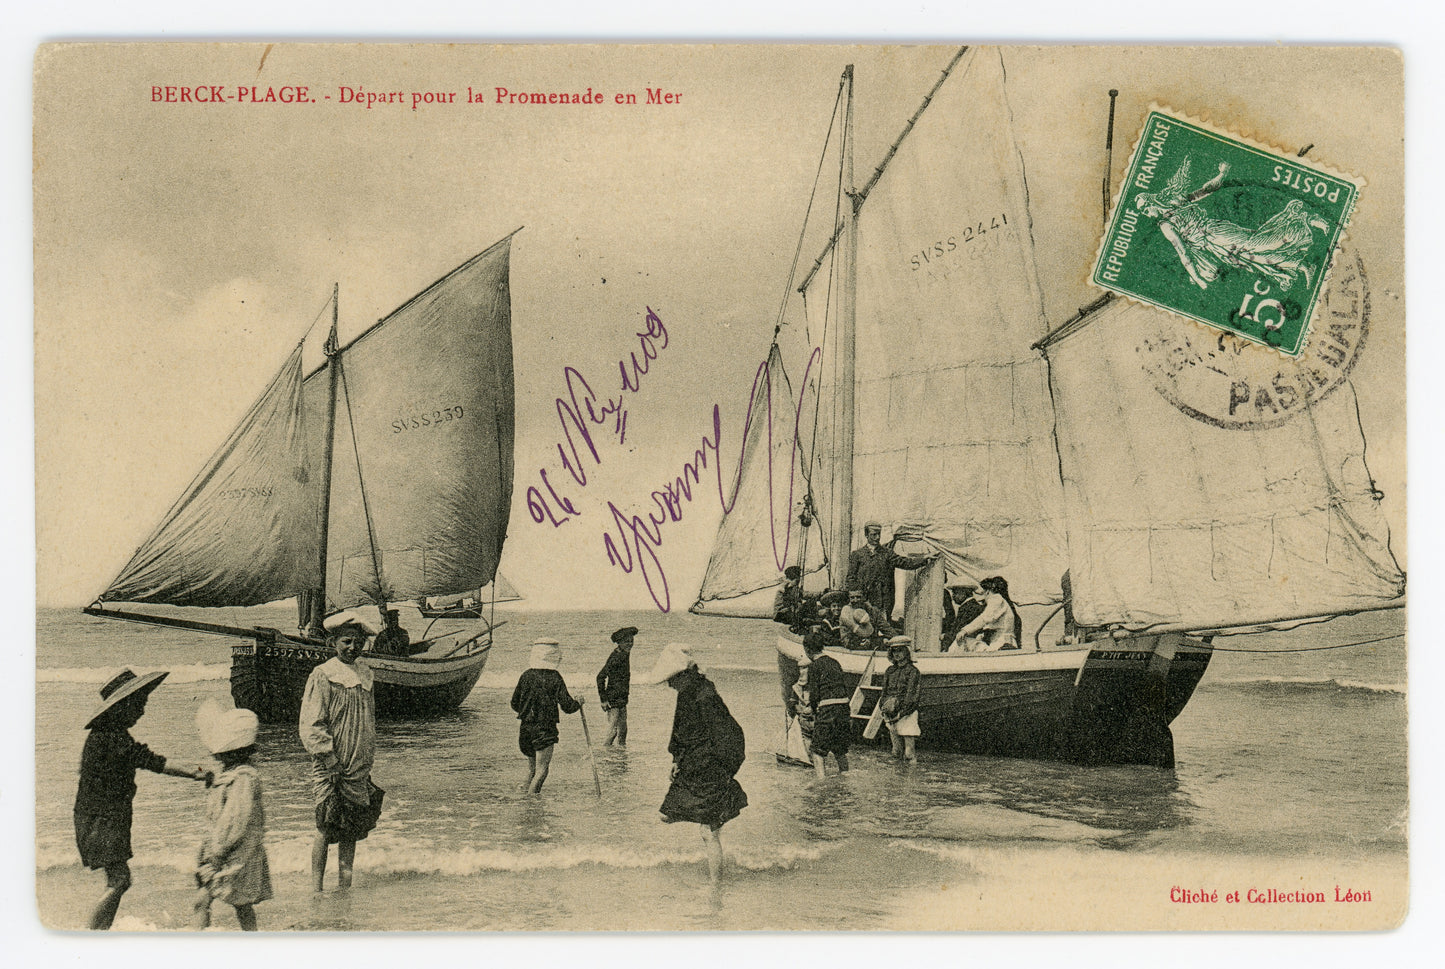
[665, 487]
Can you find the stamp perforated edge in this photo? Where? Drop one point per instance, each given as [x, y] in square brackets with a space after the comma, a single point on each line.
[1324, 168]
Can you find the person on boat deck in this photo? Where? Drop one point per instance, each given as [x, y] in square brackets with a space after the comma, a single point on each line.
[392, 640]
[540, 692]
[863, 624]
[998, 626]
[962, 603]
[1066, 588]
[902, 688]
[338, 729]
[103, 799]
[231, 865]
[829, 693]
[830, 623]
[614, 683]
[707, 747]
[870, 568]
[788, 601]
[809, 613]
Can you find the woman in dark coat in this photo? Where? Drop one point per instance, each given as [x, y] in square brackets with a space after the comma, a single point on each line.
[707, 750]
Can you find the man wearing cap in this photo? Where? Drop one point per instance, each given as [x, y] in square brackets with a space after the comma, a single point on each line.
[614, 683]
[540, 692]
[788, 602]
[392, 640]
[338, 729]
[902, 689]
[832, 723]
[870, 568]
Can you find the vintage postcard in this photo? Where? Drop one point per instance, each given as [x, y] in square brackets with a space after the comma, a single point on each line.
[743, 487]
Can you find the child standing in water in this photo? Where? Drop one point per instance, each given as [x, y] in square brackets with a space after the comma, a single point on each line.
[232, 866]
[540, 691]
[107, 785]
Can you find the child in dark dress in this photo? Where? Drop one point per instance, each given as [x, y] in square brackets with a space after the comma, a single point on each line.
[107, 785]
[540, 692]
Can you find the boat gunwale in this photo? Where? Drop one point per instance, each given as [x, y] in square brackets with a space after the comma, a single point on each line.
[937, 664]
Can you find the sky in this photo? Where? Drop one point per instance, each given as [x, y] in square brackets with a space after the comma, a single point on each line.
[183, 248]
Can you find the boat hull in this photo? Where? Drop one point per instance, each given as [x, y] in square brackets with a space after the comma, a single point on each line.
[1106, 702]
[268, 676]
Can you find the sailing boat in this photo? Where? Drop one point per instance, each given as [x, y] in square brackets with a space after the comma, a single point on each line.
[472, 605]
[385, 475]
[932, 396]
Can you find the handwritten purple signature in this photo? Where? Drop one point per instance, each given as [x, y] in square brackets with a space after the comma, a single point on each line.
[633, 546]
[582, 411]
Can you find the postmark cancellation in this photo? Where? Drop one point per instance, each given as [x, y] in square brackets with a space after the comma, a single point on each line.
[1224, 231]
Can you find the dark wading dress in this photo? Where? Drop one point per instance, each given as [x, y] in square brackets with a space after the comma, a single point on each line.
[107, 787]
[706, 747]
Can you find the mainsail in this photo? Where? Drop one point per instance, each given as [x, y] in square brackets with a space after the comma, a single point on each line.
[421, 469]
[953, 427]
[1194, 525]
[1017, 463]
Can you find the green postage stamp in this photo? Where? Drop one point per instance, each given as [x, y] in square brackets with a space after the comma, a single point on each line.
[1224, 231]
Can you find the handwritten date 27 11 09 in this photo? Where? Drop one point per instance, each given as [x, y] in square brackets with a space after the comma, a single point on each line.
[582, 412]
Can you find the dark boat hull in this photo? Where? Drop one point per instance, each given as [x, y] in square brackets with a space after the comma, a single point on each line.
[1109, 702]
[268, 675]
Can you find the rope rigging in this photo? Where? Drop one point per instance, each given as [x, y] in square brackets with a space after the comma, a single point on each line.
[1308, 649]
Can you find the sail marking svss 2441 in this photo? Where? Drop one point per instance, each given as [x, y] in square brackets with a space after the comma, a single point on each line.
[953, 431]
[1172, 529]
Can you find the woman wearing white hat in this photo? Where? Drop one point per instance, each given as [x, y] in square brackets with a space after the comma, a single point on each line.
[707, 748]
[232, 866]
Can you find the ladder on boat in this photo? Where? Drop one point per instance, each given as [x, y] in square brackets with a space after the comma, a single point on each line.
[866, 699]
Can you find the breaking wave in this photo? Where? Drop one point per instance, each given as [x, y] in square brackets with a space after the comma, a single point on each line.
[1308, 683]
[293, 855]
[195, 673]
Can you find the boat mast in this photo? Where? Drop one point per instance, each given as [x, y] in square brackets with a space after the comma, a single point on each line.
[842, 537]
[318, 607]
[1109, 157]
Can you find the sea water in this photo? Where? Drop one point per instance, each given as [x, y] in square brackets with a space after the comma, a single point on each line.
[1286, 761]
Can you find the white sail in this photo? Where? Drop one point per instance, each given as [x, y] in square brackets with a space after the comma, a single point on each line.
[760, 534]
[1173, 520]
[953, 428]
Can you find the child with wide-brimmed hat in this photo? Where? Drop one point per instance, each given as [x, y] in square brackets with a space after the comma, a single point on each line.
[232, 866]
[107, 784]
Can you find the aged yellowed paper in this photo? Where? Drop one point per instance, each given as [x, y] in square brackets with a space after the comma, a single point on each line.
[536, 345]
